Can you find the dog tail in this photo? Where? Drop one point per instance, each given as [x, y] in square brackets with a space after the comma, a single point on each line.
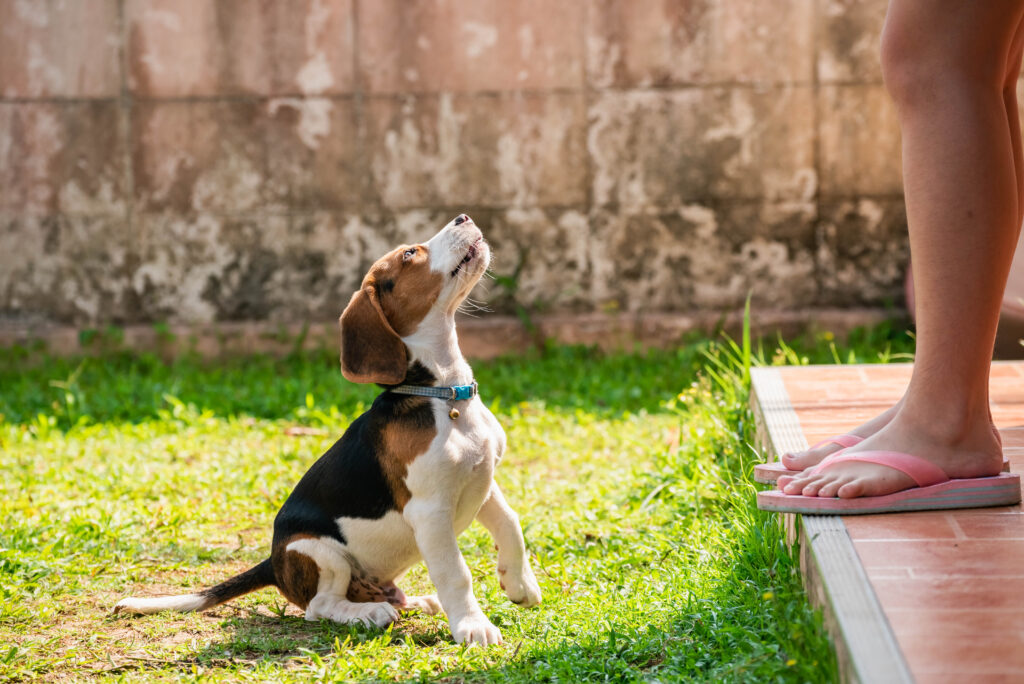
[252, 579]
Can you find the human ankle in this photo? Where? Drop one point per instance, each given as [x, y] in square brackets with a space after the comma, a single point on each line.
[946, 423]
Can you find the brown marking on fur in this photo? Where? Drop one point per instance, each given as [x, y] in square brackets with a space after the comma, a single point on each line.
[361, 590]
[401, 445]
[371, 351]
[395, 295]
[298, 575]
[415, 288]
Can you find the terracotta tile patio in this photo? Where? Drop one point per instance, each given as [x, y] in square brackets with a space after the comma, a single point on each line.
[950, 584]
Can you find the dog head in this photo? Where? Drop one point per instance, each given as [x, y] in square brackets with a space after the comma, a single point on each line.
[410, 287]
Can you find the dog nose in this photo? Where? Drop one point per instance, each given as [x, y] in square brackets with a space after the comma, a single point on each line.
[461, 218]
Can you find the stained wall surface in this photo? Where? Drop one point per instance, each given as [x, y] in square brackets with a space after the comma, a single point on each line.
[189, 160]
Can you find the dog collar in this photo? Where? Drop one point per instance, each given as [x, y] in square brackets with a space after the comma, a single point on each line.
[453, 393]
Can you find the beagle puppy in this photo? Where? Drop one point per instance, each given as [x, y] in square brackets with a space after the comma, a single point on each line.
[408, 475]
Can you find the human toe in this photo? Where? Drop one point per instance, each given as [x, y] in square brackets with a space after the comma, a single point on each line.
[830, 489]
[812, 487]
[796, 485]
[801, 460]
[853, 489]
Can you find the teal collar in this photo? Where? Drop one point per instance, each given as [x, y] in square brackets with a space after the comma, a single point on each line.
[453, 393]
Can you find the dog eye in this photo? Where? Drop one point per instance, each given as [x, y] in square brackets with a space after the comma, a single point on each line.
[409, 253]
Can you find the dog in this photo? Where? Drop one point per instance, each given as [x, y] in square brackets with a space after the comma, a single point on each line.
[406, 477]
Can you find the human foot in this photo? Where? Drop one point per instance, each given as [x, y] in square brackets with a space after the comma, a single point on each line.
[769, 473]
[802, 460]
[933, 490]
[974, 452]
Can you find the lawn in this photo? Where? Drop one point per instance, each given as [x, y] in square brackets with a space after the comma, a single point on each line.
[127, 475]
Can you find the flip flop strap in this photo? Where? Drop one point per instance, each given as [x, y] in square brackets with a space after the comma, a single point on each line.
[919, 470]
[845, 441]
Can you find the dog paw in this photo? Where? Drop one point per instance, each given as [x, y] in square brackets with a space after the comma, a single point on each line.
[475, 629]
[377, 614]
[348, 613]
[523, 589]
[425, 604]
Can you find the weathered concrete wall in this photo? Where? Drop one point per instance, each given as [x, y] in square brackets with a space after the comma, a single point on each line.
[192, 160]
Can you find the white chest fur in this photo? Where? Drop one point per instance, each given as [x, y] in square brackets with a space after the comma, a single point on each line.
[454, 474]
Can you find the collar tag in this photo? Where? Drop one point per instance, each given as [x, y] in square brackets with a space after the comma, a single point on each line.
[460, 392]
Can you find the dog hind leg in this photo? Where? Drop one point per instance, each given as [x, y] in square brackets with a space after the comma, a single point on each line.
[364, 590]
[333, 576]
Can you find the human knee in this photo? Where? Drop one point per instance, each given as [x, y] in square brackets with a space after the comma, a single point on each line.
[907, 65]
[918, 68]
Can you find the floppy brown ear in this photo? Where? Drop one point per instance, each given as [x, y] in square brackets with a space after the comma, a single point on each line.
[371, 351]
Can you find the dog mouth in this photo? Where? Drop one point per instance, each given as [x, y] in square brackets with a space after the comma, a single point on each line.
[470, 255]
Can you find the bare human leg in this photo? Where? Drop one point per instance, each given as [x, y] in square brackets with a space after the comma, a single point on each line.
[811, 457]
[951, 68]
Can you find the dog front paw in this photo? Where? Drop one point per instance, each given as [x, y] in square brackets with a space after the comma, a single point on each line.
[521, 589]
[475, 629]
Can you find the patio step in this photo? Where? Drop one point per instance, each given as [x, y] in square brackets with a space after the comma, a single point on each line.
[927, 597]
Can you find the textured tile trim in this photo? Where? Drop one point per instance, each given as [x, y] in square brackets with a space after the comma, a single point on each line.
[833, 574]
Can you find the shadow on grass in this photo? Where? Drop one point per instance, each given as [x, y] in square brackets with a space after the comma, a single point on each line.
[711, 638]
[288, 641]
[742, 617]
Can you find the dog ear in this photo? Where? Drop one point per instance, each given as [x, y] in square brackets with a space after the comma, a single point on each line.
[371, 351]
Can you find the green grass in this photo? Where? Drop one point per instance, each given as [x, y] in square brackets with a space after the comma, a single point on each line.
[124, 475]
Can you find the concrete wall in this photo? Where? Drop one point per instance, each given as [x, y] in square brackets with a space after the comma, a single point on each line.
[201, 160]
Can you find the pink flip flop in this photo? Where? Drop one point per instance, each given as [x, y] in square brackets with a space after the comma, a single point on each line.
[768, 473]
[933, 491]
